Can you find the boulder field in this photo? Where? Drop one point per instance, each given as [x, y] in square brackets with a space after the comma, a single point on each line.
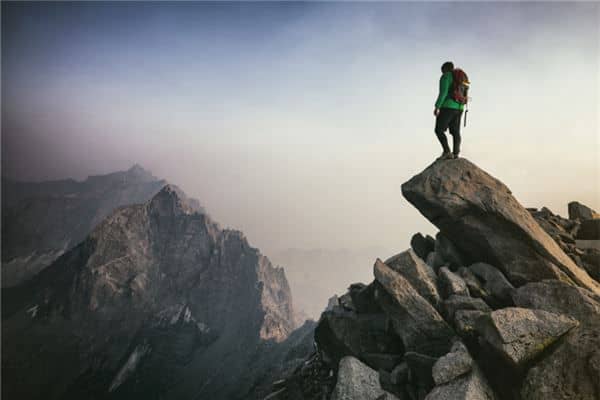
[501, 305]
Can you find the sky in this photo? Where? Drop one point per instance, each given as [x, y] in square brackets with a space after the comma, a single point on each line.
[298, 122]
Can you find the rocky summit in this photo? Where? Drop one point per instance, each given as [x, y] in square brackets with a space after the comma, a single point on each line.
[156, 302]
[504, 304]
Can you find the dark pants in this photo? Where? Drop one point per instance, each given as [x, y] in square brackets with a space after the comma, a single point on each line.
[448, 118]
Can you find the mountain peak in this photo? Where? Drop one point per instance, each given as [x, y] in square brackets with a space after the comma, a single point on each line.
[487, 222]
[170, 201]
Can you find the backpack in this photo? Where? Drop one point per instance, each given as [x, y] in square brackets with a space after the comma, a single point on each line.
[460, 86]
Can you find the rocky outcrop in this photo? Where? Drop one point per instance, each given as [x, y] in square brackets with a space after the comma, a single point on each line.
[157, 293]
[514, 318]
[43, 220]
[487, 224]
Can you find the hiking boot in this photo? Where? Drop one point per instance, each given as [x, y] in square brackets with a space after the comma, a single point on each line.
[445, 156]
[454, 156]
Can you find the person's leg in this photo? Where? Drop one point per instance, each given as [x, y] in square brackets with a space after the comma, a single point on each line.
[454, 127]
[442, 122]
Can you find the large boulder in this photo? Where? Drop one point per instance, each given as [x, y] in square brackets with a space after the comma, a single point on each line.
[581, 212]
[486, 223]
[356, 381]
[571, 371]
[414, 319]
[420, 275]
[341, 333]
[519, 334]
[589, 230]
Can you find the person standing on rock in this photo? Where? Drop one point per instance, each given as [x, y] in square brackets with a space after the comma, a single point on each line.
[449, 106]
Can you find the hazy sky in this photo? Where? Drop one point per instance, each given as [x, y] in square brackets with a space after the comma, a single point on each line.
[298, 122]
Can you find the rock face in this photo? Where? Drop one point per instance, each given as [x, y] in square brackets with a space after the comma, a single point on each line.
[157, 293]
[41, 221]
[518, 318]
[487, 224]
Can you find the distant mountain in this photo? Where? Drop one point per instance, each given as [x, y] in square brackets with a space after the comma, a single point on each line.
[315, 274]
[156, 302]
[42, 220]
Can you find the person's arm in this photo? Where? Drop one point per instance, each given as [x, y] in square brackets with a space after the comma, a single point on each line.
[444, 88]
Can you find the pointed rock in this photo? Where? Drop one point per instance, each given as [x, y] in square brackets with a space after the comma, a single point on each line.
[420, 275]
[414, 319]
[488, 224]
[581, 212]
[520, 334]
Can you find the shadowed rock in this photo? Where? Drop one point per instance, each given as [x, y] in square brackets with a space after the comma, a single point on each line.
[414, 319]
[488, 224]
[495, 285]
[422, 245]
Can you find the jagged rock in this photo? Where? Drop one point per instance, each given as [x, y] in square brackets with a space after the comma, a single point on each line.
[472, 386]
[465, 320]
[454, 364]
[451, 283]
[581, 212]
[356, 381]
[422, 245]
[448, 252]
[473, 284]
[590, 260]
[521, 334]
[414, 319]
[454, 303]
[420, 275]
[486, 223]
[496, 286]
[341, 333]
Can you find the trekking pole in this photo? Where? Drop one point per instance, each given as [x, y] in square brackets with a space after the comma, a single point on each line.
[467, 110]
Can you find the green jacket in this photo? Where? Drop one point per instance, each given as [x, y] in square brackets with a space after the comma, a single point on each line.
[444, 100]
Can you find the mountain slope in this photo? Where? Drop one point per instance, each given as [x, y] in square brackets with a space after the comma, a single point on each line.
[158, 301]
[42, 220]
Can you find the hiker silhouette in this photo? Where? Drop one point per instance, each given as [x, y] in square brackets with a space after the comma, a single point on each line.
[449, 106]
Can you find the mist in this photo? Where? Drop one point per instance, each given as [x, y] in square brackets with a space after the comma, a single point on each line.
[298, 122]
